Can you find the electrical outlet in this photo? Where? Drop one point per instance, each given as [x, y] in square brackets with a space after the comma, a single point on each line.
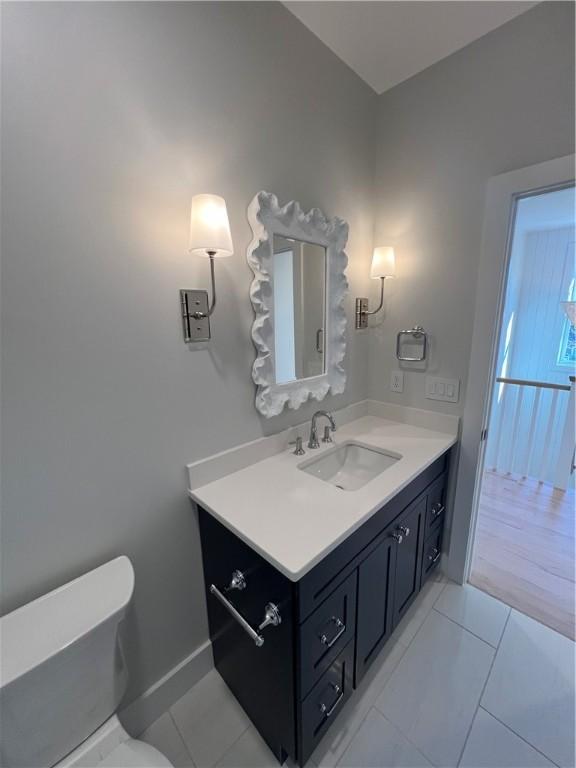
[397, 381]
[447, 390]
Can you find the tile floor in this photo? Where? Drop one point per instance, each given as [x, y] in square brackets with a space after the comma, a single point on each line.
[464, 681]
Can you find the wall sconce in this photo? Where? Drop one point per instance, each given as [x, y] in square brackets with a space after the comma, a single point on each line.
[209, 237]
[383, 266]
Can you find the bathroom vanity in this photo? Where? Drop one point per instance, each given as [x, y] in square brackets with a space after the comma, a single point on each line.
[310, 561]
[305, 580]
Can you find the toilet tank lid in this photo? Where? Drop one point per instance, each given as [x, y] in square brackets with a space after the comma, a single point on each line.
[38, 630]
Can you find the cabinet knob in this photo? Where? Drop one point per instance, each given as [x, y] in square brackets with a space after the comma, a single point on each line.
[397, 536]
[403, 529]
[272, 617]
[238, 580]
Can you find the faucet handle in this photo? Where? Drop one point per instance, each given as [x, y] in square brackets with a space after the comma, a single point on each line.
[313, 441]
[298, 451]
[327, 438]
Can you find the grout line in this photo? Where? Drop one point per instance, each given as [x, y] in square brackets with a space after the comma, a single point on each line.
[405, 646]
[248, 724]
[371, 703]
[483, 689]
[541, 623]
[408, 739]
[428, 612]
[352, 736]
[169, 713]
[518, 735]
[494, 647]
[180, 732]
[231, 747]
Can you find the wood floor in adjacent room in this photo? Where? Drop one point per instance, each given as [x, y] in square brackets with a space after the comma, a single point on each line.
[524, 549]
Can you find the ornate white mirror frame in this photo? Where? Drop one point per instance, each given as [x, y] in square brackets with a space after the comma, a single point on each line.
[267, 218]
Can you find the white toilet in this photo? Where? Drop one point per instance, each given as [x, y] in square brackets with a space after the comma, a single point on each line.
[63, 675]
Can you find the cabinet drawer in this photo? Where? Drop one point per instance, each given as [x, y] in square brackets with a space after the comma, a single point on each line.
[436, 509]
[324, 702]
[326, 632]
[431, 553]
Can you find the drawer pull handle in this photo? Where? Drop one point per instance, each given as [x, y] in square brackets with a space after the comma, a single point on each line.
[340, 626]
[434, 556]
[437, 510]
[258, 639]
[238, 580]
[324, 709]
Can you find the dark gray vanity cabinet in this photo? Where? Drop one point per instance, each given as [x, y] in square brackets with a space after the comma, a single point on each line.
[293, 652]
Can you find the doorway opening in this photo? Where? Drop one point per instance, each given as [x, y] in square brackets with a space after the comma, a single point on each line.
[524, 542]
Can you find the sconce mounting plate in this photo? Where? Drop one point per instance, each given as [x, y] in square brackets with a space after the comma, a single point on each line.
[361, 314]
[195, 317]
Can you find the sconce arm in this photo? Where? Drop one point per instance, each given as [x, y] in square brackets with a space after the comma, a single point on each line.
[213, 281]
[379, 307]
[199, 315]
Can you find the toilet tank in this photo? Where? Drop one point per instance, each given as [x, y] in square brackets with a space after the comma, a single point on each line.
[62, 671]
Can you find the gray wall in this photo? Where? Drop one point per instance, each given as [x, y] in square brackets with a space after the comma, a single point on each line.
[113, 116]
[504, 102]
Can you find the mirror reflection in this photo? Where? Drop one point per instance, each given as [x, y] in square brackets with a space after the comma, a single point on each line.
[299, 309]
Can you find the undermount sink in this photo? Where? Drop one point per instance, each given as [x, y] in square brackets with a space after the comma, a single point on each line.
[350, 465]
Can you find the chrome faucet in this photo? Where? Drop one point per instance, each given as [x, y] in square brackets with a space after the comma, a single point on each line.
[313, 441]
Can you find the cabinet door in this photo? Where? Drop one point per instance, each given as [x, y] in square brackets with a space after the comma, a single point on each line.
[374, 604]
[407, 533]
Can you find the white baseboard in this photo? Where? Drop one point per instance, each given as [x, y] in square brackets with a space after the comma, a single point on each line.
[148, 707]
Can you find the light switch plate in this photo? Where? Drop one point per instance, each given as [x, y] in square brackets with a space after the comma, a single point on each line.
[447, 390]
[397, 381]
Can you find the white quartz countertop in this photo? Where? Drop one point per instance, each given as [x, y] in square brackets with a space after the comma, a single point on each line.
[294, 519]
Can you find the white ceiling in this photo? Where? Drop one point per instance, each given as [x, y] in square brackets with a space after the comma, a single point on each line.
[386, 42]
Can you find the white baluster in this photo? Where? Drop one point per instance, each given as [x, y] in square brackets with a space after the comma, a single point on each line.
[566, 455]
[501, 412]
[547, 459]
[531, 431]
[515, 424]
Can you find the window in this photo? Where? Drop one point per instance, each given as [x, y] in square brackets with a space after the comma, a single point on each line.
[567, 351]
[567, 354]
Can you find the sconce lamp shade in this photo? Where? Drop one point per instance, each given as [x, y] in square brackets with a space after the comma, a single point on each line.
[383, 263]
[209, 227]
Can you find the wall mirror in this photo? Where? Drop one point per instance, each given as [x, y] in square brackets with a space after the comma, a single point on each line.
[298, 291]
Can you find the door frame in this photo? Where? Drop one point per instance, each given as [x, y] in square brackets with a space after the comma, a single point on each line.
[502, 194]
